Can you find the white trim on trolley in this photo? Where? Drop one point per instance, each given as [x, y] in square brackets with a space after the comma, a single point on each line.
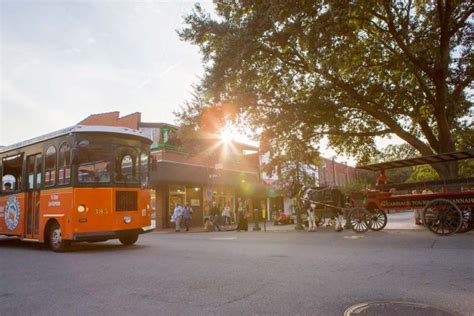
[30, 239]
[76, 129]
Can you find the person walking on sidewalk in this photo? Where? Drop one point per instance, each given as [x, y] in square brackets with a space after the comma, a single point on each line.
[178, 216]
[215, 215]
[226, 214]
[187, 215]
[242, 212]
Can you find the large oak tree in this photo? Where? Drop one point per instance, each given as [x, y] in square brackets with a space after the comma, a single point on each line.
[351, 71]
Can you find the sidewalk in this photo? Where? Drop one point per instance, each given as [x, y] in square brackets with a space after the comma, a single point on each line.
[395, 221]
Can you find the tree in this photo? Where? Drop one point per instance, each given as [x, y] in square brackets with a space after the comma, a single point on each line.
[351, 71]
[294, 164]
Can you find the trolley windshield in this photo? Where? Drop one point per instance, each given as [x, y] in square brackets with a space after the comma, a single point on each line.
[102, 160]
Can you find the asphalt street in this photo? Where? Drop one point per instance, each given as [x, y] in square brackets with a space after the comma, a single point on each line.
[273, 273]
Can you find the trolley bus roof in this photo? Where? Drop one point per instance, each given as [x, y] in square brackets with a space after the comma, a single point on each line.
[453, 156]
[76, 129]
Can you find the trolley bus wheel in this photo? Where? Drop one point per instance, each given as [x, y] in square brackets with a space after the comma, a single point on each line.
[128, 240]
[378, 219]
[360, 220]
[56, 242]
[442, 217]
[467, 220]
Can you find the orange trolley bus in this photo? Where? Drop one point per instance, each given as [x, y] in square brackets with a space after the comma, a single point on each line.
[82, 183]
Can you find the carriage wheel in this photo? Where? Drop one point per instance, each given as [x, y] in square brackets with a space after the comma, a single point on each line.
[467, 221]
[360, 220]
[378, 219]
[442, 217]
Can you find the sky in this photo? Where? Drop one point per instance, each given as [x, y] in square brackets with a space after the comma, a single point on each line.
[61, 61]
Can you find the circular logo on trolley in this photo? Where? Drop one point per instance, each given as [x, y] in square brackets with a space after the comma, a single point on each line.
[12, 213]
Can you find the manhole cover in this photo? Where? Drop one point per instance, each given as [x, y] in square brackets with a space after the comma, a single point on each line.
[353, 237]
[395, 308]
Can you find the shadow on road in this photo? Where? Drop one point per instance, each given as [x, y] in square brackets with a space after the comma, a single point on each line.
[82, 247]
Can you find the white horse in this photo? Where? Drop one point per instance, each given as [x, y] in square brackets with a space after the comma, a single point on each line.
[328, 199]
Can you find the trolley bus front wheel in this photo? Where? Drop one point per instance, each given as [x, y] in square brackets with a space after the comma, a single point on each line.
[56, 242]
[128, 240]
[442, 217]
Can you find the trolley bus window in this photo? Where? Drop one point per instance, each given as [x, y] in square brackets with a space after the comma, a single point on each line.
[12, 167]
[64, 164]
[126, 165]
[50, 166]
[94, 164]
[144, 169]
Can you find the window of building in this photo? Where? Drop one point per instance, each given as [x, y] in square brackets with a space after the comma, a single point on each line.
[64, 164]
[50, 167]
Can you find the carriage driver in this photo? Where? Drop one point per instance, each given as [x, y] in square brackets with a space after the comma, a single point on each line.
[382, 179]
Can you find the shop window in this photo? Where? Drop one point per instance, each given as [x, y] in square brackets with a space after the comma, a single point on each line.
[50, 167]
[64, 164]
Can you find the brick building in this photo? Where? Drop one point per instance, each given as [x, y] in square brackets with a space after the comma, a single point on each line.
[330, 172]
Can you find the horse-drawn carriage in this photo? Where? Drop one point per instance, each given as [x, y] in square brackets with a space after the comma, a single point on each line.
[329, 202]
[446, 206]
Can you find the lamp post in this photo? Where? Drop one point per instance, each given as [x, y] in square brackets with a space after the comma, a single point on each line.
[298, 225]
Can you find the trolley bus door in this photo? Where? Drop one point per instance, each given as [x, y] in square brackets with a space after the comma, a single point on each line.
[33, 171]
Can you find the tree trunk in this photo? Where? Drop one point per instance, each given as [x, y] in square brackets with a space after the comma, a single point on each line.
[446, 170]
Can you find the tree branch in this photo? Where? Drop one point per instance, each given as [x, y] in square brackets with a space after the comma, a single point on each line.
[392, 30]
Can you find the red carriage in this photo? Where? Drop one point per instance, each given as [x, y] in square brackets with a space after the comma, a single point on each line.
[446, 206]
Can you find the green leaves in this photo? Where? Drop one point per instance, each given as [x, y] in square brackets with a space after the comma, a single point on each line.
[350, 70]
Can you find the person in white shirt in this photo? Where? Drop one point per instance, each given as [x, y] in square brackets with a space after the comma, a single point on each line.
[177, 216]
[226, 214]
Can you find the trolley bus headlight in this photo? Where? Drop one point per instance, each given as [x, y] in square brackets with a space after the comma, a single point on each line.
[81, 208]
[127, 219]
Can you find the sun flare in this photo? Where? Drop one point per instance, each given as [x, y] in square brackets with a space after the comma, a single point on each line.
[226, 135]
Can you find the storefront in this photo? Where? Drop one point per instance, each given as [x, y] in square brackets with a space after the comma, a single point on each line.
[200, 187]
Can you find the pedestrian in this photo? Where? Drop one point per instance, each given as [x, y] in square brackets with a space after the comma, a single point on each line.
[187, 215]
[242, 213]
[226, 214]
[215, 215]
[311, 218]
[178, 216]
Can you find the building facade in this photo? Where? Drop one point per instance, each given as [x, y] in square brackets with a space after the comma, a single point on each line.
[221, 172]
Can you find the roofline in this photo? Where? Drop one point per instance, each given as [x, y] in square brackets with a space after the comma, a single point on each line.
[76, 129]
[156, 124]
[422, 160]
